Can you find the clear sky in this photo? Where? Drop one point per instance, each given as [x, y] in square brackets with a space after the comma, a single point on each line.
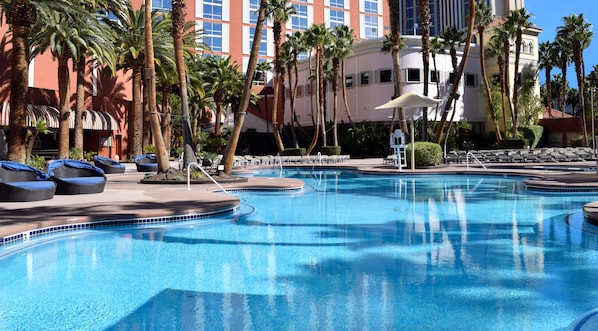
[548, 15]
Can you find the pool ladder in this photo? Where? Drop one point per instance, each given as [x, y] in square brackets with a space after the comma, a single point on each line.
[469, 154]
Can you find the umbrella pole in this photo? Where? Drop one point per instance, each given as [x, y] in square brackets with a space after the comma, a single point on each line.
[412, 144]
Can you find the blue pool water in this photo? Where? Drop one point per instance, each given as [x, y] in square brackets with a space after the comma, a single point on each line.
[351, 252]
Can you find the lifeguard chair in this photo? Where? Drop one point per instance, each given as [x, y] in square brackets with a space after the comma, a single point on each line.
[399, 148]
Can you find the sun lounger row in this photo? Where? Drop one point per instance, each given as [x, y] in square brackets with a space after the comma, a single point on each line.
[540, 155]
[273, 160]
[20, 182]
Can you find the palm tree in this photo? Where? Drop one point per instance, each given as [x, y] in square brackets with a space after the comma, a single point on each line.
[578, 31]
[281, 11]
[483, 18]
[518, 19]
[453, 93]
[225, 81]
[500, 45]
[294, 46]
[318, 37]
[395, 37]
[337, 51]
[60, 35]
[563, 48]
[424, 18]
[264, 68]
[178, 31]
[346, 38]
[548, 59]
[21, 15]
[130, 47]
[231, 146]
[436, 47]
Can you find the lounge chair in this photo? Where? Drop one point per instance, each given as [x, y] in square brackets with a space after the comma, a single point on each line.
[108, 165]
[76, 177]
[146, 163]
[20, 182]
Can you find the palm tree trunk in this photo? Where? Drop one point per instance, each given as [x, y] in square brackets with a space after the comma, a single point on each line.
[277, 84]
[136, 147]
[229, 153]
[178, 26]
[64, 101]
[154, 117]
[548, 80]
[345, 99]
[516, 85]
[453, 93]
[17, 132]
[80, 106]
[166, 121]
[424, 14]
[487, 85]
[396, 62]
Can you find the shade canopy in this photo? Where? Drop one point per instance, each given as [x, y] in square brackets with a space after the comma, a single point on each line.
[410, 99]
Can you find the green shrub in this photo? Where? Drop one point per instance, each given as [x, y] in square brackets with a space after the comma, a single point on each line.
[293, 152]
[533, 134]
[38, 162]
[426, 154]
[149, 149]
[331, 150]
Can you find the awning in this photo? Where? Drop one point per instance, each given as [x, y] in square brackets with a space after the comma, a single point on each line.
[92, 119]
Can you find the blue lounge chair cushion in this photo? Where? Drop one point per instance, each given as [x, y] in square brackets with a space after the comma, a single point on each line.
[34, 185]
[16, 166]
[73, 164]
[83, 180]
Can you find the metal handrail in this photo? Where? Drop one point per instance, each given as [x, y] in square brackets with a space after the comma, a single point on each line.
[205, 173]
[476, 159]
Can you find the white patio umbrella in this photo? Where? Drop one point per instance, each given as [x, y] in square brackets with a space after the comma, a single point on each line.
[411, 99]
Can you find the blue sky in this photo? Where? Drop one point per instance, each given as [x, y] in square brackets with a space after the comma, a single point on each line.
[548, 15]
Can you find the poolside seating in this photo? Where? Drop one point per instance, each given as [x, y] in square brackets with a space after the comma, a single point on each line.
[20, 182]
[108, 165]
[146, 163]
[76, 177]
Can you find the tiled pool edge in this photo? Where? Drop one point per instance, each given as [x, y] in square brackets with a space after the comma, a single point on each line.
[96, 224]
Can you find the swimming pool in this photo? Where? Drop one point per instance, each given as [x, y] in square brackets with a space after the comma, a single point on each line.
[351, 252]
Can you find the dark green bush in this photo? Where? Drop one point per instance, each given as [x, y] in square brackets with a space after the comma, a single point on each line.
[331, 150]
[533, 134]
[426, 154]
[293, 152]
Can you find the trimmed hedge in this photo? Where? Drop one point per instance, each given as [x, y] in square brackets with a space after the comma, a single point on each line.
[426, 154]
[293, 152]
[331, 150]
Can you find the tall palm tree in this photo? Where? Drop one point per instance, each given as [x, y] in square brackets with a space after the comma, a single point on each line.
[577, 30]
[548, 59]
[387, 47]
[225, 81]
[231, 146]
[21, 15]
[395, 37]
[459, 73]
[500, 45]
[281, 11]
[130, 47]
[436, 47]
[60, 35]
[346, 38]
[263, 68]
[483, 18]
[519, 19]
[424, 18]
[318, 37]
[337, 51]
[178, 32]
[294, 46]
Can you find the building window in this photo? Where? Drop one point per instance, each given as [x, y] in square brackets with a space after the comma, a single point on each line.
[212, 35]
[531, 48]
[413, 75]
[349, 81]
[337, 3]
[212, 9]
[299, 20]
[263, 43]
[451, 79]
[370, 26]
[470, 80]
[364, 78]
[434, 76]
[385, 76]
[254, 7]
[337, 18]
[162, 5]
[370, 6]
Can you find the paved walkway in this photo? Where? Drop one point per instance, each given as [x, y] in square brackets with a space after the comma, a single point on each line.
[126, 198]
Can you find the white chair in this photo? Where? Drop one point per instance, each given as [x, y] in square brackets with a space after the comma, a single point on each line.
[397, 144]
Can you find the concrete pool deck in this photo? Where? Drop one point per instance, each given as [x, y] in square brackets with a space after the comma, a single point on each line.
[125, 198]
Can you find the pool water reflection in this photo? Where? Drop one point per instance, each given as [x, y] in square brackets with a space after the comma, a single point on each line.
[354, 251]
